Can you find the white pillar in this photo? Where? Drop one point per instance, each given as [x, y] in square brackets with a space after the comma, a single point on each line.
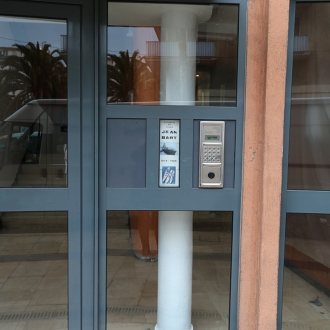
[178, 74]
[178, 57]
[174, 270]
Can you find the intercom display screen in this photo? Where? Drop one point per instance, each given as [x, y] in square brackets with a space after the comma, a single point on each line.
[212, 137]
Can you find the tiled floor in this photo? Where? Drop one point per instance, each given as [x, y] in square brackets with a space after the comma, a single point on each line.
[298, 312]
[134, 283]
[33, 278]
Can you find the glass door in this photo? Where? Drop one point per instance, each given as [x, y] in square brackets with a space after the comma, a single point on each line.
[39, 166]
[305, 269]
[169, 233]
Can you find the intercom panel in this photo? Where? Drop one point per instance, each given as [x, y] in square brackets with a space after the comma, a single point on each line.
[211, 154]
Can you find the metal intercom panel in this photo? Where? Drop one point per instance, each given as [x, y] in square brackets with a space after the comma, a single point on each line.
[211, 154]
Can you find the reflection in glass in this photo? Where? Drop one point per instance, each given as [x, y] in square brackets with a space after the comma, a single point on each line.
[306, 293]
[33, 111]
[172, 54]
[309, 154]
[132, 269]
[33, 270]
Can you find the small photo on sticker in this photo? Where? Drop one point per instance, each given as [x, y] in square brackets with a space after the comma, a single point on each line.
[168, 175]
[169, 148]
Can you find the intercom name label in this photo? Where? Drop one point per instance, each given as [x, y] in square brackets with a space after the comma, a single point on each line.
[169, 153]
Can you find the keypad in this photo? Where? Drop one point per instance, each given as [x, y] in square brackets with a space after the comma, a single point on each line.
[211, 154]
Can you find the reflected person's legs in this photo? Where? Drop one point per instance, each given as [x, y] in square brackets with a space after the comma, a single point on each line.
[144, 242]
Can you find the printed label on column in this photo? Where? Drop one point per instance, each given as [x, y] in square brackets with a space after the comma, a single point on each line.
[169, 153]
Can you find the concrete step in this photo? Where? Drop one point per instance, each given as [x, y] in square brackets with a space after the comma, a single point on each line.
[116, 219]
[52, 158]
[20, 220]
[215, 216]
[39, 220]
[35, 180]
[43, 169]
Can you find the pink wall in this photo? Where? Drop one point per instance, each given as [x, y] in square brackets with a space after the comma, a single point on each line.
[262, 162]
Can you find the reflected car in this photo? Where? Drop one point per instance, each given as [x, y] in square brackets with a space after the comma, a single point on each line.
[33, 140]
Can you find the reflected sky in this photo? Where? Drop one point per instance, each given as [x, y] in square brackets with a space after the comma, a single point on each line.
[129, 38]
[14, 30]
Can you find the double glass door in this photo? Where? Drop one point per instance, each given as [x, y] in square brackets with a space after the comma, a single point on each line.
[96, 164]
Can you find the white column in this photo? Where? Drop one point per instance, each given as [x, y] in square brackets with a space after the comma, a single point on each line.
[178, 74]
[178, 57]
[174, 270]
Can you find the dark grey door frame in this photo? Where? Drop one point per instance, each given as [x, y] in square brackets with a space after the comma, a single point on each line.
[151, 197]
[79, 198]
[294, 201]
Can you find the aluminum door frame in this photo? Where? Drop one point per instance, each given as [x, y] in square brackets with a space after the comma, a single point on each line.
[294, 201]
[149, 197]
[78, 199]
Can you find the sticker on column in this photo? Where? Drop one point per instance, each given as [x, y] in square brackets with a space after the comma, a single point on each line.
[169, 153]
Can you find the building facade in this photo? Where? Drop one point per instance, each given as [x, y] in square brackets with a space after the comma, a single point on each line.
[164, 164]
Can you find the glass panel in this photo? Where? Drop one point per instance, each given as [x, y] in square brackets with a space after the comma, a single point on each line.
[33, 270]
[309, 154]
[306, 295]
[133, 270]
[172, 54]
[33, 105]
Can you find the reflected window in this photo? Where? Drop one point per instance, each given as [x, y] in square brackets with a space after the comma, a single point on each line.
[172, 54]
[33, 103]
[309, 153]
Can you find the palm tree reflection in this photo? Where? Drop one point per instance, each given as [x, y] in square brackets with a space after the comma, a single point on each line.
[37, 73]
[129, 78]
